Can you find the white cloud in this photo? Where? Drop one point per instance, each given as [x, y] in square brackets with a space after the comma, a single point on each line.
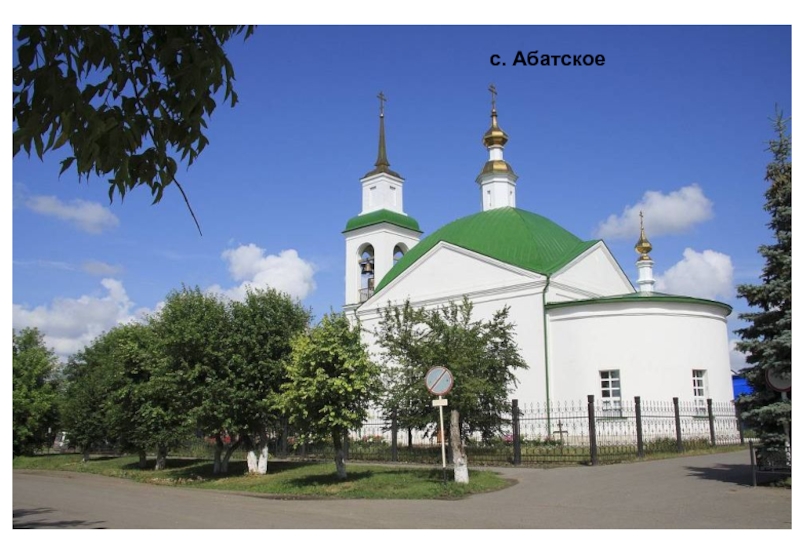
[738, 359]
[88, 216]
[668, 214]
[95, 267]
[286, 272]
[69, 324]
[706, 274]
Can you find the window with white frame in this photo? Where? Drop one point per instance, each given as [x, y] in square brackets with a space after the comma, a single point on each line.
[699, 387]
[610, 392]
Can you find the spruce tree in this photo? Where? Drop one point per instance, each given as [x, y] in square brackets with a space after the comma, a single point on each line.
[767, 340]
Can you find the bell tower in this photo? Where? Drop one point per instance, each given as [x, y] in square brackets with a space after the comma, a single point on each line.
[382, 232]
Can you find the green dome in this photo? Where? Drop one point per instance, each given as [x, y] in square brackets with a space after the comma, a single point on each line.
[516, 237]
[381, 216]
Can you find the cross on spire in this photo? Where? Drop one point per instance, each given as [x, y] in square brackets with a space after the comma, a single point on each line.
[382, 98]
[493, 90]
[641, 220]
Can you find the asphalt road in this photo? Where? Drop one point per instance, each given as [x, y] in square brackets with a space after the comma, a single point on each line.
[700, 492]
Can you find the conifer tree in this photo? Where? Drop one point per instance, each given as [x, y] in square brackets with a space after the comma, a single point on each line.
[767, 340]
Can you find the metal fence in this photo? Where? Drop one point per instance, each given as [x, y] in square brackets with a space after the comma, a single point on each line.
[576, 432]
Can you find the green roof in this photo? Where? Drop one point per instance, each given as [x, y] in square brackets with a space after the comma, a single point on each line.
[641, 297]
[516, 237]
[382, 216]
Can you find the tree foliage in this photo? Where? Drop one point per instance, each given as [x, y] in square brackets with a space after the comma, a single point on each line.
[227, 360]
[127, 99]
[480, 354]
[35, 391]
[767, 340]
[331, 382]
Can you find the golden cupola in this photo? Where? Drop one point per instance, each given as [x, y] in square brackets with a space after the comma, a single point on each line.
[643, 247]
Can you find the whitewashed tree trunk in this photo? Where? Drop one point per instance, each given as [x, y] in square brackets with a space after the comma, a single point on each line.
[263, 454]
[457, 447]
[85, 454]
[161, 457]
[252, 461]
[257, 454]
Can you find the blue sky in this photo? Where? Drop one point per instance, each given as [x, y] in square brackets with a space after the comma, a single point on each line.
[675, 123]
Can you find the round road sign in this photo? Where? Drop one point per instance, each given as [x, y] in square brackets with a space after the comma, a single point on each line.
[439, 380]
[778, 383]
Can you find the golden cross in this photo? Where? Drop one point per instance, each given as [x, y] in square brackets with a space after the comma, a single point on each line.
[382, 98]
[493, 90]
[641, 220]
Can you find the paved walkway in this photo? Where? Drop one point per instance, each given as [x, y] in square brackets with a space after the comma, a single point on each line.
[685, 493]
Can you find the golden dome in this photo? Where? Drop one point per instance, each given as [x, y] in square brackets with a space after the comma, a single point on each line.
[643, 247]
[495, 136]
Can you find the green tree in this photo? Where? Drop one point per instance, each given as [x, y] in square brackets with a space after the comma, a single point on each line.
[189, 389]
[331, 383]
[767, 340]
[127, 99]
[134, 361]
[480, 354]
[262, 328]
[35, 391]
[87, 396]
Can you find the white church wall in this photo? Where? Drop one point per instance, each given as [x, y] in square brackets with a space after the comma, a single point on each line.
[654, 346]
[594, 273]
[449, 272]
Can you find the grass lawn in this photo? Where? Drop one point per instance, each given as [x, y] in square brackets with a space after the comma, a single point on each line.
[284, 478]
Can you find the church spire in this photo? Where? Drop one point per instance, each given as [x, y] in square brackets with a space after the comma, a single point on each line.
[645, 262]
[382, 163]
[497, 180]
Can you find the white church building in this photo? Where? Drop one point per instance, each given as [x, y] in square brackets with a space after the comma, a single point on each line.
[581, 325]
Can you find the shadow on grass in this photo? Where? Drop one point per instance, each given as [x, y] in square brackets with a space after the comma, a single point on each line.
[329, 479]
[197, 469]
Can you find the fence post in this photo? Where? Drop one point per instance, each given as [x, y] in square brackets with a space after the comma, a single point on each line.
[739, 423]
[394, 435]
[592, 432]
[677, 423]
[515, 432]
[637, 401]
[711, 423]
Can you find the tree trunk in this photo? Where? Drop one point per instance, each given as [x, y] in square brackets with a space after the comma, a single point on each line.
[142, 459]
[85, 455]
[457, 448]
[263, 454]
[218, 447]
[341, 470]
[409, 437]
[161, 457]
[227, 458]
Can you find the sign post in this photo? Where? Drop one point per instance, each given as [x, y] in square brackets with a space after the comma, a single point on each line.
[439, 381]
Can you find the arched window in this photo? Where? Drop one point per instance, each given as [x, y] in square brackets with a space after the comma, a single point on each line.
[399, 251]
[366, 262]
